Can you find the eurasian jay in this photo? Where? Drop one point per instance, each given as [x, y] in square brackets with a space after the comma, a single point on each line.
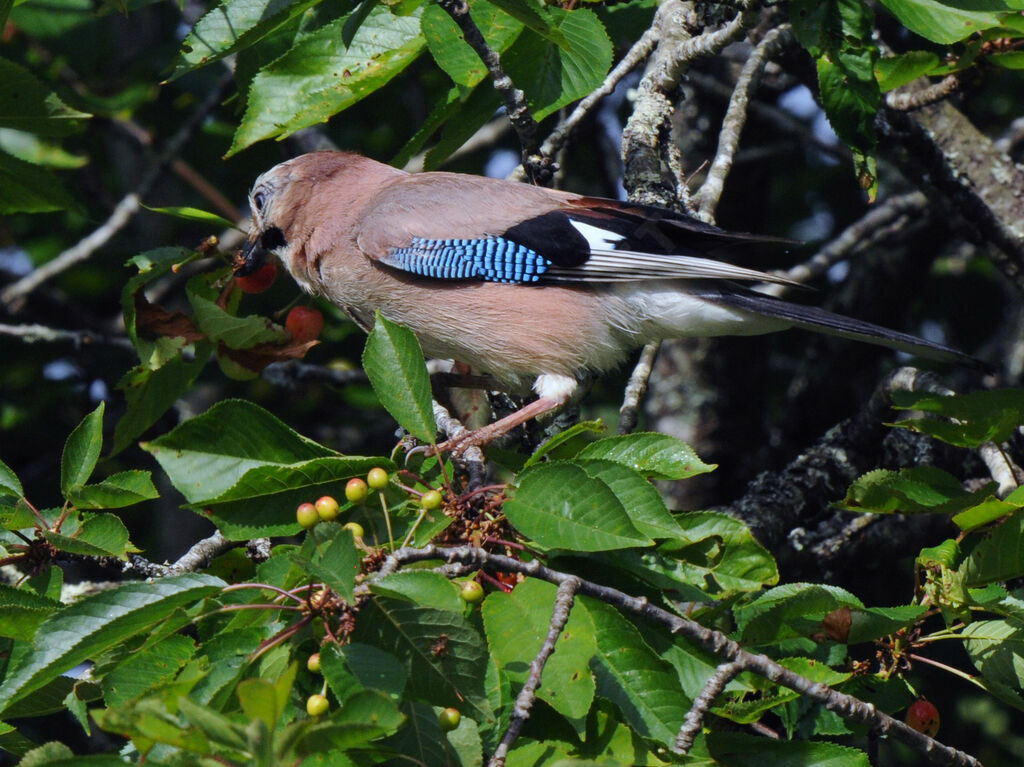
[533, 286]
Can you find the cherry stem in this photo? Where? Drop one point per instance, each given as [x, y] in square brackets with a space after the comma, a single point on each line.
[282, 592]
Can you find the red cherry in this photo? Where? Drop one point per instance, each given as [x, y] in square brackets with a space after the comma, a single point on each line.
[304, 323]
[259, 280]
[923, 717]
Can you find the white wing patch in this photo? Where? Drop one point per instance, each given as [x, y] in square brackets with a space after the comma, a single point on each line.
[596, 237]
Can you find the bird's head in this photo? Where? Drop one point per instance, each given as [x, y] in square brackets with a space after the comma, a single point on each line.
[266, 233]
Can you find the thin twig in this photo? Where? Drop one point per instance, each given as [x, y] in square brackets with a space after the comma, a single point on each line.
[694, 720]
[40, 333]
[736, 117]
[194, 559]
[564, 599]
[636, 388]
[715, 642]
[518, 109]
[13, 295]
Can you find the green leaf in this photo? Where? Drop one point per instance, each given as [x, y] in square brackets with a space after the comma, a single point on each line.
[1008, 59]
[393, 361]
[97, 623]
[742, 750]
[141, 671]
[656, 456]
[630, 675]
[988, 510]
[449, 48]
[517, 625]
[365, 716]
[102, 535]
[233, 26]
[791, 610]
[26, 104]
[559, 506]
[82, 451]
[554, 446]
[996, 648]
[321, 76]
[28, 188]
[947, 21]
[263, 501]
[234, 332]
[850, 95]
[999, 555]
[9, 482]
[374, 668]
[712, 553]
[22, 610]
[975, 418]
[554, 75]
[206, 455]
[125, 488]
[828, 25]
[428, 589]
[329, 554]
[536, 16]
[874, 622]
[640, 499]
[917, 489]
[196, 214]
[443, 656]
[895, 71]
[150, 393]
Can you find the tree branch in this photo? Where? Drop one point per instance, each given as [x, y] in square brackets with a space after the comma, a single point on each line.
[564, 599]
[691, 728]
[714, 642]
[13, 295]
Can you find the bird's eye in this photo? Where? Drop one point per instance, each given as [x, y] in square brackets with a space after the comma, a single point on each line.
[258, 200]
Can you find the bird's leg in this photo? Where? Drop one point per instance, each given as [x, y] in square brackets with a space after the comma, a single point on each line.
[490, 432]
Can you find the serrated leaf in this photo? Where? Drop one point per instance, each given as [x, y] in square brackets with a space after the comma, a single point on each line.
[975, 418]
[554, 445]
[82, 451]
[208, 454]
[895, 71]
[559, 506]
[916, 489]
[516, 626]
[714, 554]
[263, 501]
[96, 623]
[102, 535]
[235, 332]
[947, 21]
[826, 25]
[321, 76]
[141, 671]
[628, 673]
[791, 610]
[450, 50]
[850, 95]
[443, 655]
[640, 499]
[26, 104]
[329, 554]
[374, 668]
[996, 648]
[150, 393]
[116, 491]
[195, 214]
[536, 16]
[554, 75]
[233, 26]
[656, 456]
[28, 188]
[742, 750]
[393, 361]
[365, 716]
[999, 555]
[22, 610]
[428, 589]
[9, 482]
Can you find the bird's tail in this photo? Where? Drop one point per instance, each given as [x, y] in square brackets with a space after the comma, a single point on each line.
[821, 321]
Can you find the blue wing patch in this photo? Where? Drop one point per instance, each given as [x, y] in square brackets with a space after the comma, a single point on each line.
[494, 259]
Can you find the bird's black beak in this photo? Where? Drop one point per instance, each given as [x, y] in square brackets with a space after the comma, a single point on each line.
[252, 256]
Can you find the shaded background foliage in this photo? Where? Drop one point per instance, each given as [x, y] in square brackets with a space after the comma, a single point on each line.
[755, 404]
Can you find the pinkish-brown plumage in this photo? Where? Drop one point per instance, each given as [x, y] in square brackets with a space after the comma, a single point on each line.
[613, 276]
